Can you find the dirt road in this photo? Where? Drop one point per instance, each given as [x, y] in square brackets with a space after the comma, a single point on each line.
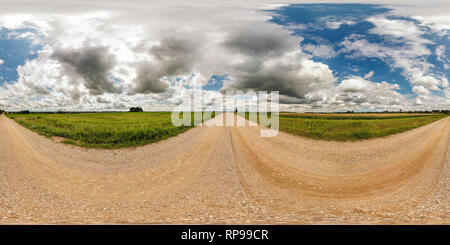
[228, 175]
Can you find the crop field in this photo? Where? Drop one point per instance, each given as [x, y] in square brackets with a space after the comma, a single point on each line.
[118, 130]
[103, 130]
[342, 127]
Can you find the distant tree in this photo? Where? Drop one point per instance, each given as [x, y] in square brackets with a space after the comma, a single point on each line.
[136, 109]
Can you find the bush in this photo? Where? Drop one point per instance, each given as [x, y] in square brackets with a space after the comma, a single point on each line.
[136, 109]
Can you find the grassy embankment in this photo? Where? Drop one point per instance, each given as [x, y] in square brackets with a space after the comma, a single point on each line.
[342, 127]
[103, 130]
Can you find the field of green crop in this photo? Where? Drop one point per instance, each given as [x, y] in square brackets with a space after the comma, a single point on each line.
[103, 130]
[117, 130]
[342, 127]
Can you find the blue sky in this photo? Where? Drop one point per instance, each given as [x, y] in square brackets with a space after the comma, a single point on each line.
[15, 51]
[313, 23]
[315, 17]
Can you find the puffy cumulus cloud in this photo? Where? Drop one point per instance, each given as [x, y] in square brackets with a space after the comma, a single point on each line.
[395, 28]
[357, 84]
[428, 82]
[172, 57]
[1, 62]
[420, 90]
[355, 91]
[357, 94]
[354, 85]
[91, 63]
[430, 101]
[36, 77]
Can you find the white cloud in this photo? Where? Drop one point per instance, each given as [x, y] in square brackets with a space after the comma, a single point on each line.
[440, 56]
[395, 28]
[1, 62]
[440, 53]
[337, 24]
[440, 23]
[428, 82]
[353, 85]
[321, 50]
[420, 90]
[419, 101]
[409, 54]
[444, 82]
[368, 75]
[357, 93]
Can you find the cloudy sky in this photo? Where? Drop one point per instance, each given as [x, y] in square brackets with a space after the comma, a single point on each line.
[111, 55]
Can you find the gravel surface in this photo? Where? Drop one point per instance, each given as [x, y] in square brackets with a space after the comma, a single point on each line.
[227, 175]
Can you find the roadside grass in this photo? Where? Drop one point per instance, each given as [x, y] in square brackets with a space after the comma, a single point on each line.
[351, 127]
[128, 129]
[104, 130]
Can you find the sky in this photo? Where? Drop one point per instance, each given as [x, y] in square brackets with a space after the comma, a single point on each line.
[112, 55]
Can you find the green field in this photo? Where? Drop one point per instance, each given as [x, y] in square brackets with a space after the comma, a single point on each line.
[117, 130]
[342, 127]
[103, 130]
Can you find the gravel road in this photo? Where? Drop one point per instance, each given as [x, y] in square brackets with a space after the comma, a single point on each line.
[215, 175]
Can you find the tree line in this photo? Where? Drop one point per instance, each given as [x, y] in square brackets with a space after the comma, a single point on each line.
[132, 109]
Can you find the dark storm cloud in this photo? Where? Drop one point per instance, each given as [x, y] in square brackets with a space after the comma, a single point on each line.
[294, 79]
[93, 64]
[74, 94]
[283, 99]
[260, 41]
[272, 61]
[294, 100]
[172, 57]
[279, 78]
[148, 79]
[176, 55]
[102, 100]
